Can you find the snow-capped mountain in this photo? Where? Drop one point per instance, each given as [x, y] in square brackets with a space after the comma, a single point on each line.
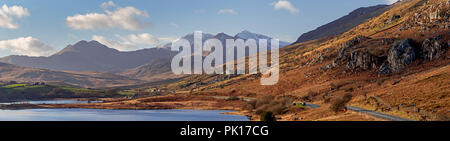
[244, 35]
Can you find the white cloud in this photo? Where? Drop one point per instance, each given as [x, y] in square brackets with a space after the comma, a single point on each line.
[167, 39]
[391, 1]
[7, 15]
[26, 46]
[108, 4]
[284, 5]
[227, 11]
[174, 24]
[121, 17]
[131, 42]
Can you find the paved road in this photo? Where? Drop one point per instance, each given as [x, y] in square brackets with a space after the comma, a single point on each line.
[377, 114]
[353, 108]
[368, 112]
[312, 106]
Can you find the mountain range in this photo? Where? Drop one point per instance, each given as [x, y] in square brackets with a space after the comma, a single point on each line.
[149, 64]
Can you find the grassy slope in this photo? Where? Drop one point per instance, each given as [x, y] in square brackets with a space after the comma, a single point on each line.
[299, 79]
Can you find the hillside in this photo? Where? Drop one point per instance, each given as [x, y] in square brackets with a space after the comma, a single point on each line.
[155, 70]
[86, 79]
[344, 23]
[394, 63]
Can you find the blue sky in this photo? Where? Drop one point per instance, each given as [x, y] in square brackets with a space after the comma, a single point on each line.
[45, 24]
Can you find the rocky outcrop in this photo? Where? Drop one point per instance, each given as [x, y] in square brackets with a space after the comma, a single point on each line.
[384, 69]
[361, 61]
[355, 60]
[354, 41]
[399, 56]
[433, 49]
[349, 44]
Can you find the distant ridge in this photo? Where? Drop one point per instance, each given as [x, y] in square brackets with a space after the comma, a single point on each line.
[344, 23]
[91, 56]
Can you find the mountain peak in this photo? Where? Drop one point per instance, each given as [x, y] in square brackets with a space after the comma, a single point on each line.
[245, 34]
[223, 35]
[85, 46]
[245, 31]
[92, 43]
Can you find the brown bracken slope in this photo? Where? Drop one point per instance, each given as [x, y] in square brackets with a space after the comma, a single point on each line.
[366, 62]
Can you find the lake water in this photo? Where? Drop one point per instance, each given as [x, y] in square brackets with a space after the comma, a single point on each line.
[116, 115]
[111, 115]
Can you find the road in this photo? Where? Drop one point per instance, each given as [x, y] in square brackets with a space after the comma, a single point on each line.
[312, 106]
[352, 108]
[377, 114]
[368, 112]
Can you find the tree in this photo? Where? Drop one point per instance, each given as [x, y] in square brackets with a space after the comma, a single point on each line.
[267, 116]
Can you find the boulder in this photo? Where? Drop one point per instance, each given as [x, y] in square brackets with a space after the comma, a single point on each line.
[361, 61]
[432, 48]
[401, 55]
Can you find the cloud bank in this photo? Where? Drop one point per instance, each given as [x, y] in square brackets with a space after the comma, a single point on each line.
[120, 17]
[8, 14]
[26, 46]
[131, 42]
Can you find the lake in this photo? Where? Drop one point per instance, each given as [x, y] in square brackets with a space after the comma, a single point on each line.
[112, 115]
[116, 115]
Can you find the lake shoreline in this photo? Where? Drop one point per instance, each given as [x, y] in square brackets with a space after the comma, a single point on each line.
[175, 102]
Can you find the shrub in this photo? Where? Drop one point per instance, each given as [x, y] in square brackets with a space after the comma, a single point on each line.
[339, 103]
[268, 103]
[264, 100]
[250, 105]
[310, 95]
[267, 116]
[277, 109]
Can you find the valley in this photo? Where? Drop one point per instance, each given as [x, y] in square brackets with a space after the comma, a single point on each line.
[388, 59]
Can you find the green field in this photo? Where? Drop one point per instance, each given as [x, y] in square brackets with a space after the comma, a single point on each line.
[29, 91]
[17, 88]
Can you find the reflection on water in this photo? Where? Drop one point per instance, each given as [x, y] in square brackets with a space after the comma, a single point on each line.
[69, 101]
[116, 115]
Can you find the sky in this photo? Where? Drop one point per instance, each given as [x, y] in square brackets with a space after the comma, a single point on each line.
[43, 27]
